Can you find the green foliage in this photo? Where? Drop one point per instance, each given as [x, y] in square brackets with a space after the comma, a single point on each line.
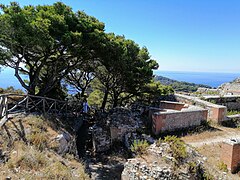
[139, 147]
[232, 112]
[124, 69]
[11, 89]
[50, 40]
[55, 44]
[95, 98]
[154, 91]
[177, 146]
[192, 167]
[180, 86]
[213, 101]
[222, 166]
[208, 176]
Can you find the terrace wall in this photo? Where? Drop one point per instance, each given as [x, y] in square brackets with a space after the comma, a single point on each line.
[216, 113]
[170, 121]
[232, 102]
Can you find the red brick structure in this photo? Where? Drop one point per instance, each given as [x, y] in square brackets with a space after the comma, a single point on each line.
[171, 105]
[230, 154]
[216, 113]
[174, 115]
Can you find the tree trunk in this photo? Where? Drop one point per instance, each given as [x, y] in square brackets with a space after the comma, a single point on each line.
[105, 99]
[115, 102]
[83, 92]
[115, 98]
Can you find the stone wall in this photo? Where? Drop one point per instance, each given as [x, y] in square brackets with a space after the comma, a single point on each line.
[232, 88]
[171, 105]
[159, 163]
[170, 121]
[216, 113]
[230, 154]
[101, 140]
[232, 102]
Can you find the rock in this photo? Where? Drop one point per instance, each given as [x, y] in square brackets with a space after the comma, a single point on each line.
[101, 139]
[64, 138]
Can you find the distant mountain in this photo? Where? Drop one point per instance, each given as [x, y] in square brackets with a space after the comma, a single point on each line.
[180, 85]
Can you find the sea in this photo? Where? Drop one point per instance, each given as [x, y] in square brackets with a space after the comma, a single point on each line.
[212, 79]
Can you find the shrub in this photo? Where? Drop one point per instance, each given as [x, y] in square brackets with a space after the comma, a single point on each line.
[39, 140]
[177, 146]
[232, 112]
[192, 167]
[222, 166]
[139, 147]
[57, 171]
[208, 176]
[28, 159]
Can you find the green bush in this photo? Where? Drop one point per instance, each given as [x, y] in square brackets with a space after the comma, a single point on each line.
[139, 147]
[232, 112]
[192, 167]
[208, 176]
[177, 146]
[222, 166]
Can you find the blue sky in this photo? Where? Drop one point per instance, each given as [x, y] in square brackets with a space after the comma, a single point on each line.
[182, 35]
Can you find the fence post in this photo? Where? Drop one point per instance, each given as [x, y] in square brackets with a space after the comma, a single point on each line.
[6, 106]
[1, 106]
[44, 110]
[26, 108]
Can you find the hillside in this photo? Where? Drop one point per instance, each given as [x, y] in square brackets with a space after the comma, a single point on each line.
[31, 147]
[180, 85]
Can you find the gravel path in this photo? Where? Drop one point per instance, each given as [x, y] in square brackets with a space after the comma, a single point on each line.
[228, 134]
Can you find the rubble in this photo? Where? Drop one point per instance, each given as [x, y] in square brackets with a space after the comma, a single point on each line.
[101, 140]
[158, 163]
[130, 137]
[135, 169]
[119, 122]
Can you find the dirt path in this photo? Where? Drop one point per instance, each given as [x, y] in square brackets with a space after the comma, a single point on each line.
[207, 138]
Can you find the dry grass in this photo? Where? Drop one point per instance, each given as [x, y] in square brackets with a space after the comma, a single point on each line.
[203, 135]
[29, 157]
[218, 131]
[26, 157]
[213, 153]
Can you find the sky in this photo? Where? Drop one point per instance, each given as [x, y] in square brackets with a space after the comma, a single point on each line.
[182, 35]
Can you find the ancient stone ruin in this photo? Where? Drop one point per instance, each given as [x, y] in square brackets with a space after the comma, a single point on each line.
[174, 115]
[119, 122]
[230, 154]
[158, 163]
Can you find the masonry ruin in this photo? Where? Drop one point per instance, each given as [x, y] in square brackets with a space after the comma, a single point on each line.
[174, 115]
[230, 154]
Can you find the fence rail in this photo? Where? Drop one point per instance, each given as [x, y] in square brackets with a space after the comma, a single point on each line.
[13, 103]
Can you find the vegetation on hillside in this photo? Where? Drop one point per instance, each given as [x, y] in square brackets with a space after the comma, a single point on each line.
[180, 85]
[10, 89]
[29, 150]
[51, 44]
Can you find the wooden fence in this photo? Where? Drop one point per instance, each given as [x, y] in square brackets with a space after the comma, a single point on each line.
[15, 103]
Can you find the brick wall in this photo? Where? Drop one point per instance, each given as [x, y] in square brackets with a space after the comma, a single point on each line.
[216, 113]
[171, 105]
[230, 155]
[170, 121]
[232, 102]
